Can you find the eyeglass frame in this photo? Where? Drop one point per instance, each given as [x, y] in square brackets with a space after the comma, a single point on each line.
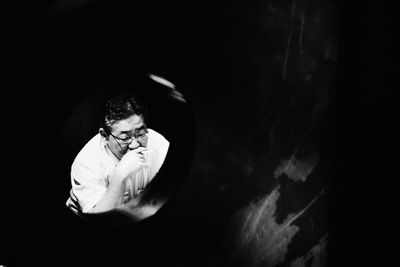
[134, 136]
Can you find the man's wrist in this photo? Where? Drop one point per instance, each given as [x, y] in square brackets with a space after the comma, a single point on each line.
[118, 178]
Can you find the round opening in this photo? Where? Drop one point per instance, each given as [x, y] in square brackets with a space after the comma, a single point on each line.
[91, 151]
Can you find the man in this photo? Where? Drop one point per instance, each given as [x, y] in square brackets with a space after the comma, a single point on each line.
[114, 167]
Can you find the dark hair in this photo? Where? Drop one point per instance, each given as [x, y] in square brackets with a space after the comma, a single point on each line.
[121, 107]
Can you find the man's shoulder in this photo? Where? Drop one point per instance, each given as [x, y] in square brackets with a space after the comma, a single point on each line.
[157, 140]
[92, 151]
[92, 163]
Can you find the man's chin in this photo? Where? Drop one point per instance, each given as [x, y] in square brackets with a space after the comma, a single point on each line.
[122, 153]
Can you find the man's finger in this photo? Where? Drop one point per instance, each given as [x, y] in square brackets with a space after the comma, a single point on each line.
[138, 150]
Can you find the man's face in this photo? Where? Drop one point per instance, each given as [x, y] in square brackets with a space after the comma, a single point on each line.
[123, 134]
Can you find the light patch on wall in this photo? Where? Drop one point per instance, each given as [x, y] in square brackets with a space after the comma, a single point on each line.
[295, 169]
[260, 240]
[174, 93]
[317, 255]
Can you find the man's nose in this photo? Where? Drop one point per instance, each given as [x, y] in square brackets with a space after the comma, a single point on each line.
[134, 144]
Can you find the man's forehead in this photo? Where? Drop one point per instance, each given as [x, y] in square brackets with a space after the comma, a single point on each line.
[128, 125]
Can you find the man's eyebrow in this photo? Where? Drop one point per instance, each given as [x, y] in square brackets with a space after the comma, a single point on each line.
[140, 128]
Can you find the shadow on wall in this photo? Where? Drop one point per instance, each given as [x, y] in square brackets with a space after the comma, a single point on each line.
[271, 167]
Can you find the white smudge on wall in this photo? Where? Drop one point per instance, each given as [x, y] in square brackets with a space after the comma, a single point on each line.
[260, 240]
[295, 169]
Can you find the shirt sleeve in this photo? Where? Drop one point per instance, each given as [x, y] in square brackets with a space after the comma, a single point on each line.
[163, 146]
[160, 145]
[87, 184]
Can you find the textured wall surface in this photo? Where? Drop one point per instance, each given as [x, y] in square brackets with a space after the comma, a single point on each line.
[264, 87]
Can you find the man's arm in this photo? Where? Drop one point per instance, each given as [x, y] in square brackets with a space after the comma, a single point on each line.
[129, 165]
[136, 209]
[114, 196]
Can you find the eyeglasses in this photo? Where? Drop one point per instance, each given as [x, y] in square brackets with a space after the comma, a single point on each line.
[127, 140]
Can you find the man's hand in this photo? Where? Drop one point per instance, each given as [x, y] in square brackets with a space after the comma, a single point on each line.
[140, 211]
[128, 166]
[131, 163]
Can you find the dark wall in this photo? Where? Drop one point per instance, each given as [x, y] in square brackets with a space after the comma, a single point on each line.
[282, 111]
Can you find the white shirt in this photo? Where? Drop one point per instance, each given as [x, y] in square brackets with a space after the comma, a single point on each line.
[94, 165]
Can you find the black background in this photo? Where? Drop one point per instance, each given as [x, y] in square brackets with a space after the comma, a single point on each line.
[210, 50]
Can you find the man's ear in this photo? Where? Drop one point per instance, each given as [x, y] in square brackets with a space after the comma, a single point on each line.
[103, 133]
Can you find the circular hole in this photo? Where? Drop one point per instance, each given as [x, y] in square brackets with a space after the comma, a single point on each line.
[93, 157]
